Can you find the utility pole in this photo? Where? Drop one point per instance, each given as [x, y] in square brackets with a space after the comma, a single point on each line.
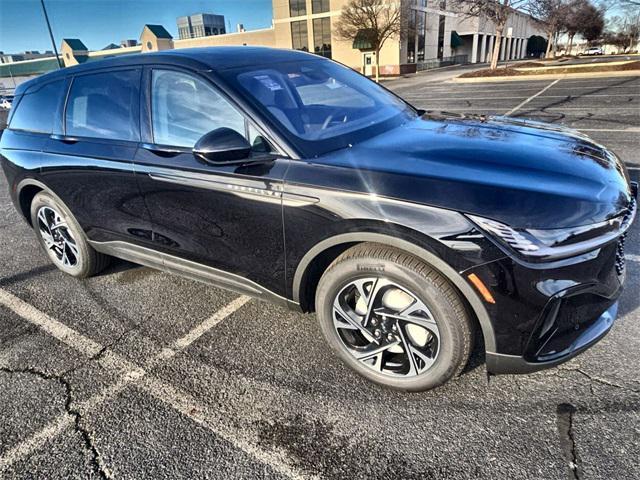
[53, 42]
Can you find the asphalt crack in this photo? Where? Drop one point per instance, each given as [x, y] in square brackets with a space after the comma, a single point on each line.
[602, 381]
[98, 464]
[564, 414]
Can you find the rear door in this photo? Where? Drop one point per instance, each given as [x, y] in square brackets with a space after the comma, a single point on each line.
[227, 217]
[88, 160]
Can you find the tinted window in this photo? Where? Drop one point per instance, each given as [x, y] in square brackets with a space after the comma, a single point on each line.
[36, 110]
[322, 36]
[104, 105]
[297, 7]
[300, 36]
[184, 108]
[320, 6]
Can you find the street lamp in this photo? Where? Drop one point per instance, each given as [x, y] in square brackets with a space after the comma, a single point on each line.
[53, 42]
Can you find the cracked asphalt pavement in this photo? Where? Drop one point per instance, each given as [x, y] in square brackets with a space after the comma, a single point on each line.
[141, 374]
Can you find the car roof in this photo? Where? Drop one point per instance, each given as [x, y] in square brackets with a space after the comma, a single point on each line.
[205, 58]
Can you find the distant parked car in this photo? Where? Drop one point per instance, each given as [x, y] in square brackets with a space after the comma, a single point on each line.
[594, 51]
[6, 101]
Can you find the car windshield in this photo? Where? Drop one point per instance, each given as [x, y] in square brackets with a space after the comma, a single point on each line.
[320, 102]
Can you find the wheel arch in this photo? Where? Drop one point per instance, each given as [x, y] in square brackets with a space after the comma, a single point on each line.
[26, 190]
[331, 247]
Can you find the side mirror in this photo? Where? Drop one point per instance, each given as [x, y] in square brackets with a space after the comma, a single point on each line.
[222, 145]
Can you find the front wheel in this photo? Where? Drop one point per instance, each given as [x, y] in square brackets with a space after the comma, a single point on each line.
[393, 318]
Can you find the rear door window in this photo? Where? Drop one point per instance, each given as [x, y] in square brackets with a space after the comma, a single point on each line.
[105, 105]
[37, 109]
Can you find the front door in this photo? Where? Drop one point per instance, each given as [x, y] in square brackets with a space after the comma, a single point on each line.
[225, 217]
[368, 63]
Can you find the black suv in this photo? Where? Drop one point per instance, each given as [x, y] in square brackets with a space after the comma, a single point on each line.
[288, 177]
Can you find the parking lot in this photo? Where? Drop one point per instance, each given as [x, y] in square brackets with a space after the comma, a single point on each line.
[141, 374]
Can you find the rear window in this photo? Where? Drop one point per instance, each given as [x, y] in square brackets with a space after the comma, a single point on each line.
[104, 105]
[37, 108]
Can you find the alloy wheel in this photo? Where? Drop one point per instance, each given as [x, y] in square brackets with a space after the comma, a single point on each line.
[386, 327]
[59, 241]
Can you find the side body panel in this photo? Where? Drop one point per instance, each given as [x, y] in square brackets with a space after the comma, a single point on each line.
[228, 218]
[21, 157]
[96, 180]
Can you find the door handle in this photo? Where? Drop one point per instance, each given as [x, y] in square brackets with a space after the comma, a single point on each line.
[164, 149]
[64, 138]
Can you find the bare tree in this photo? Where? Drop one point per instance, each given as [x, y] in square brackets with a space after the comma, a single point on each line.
[626, 3]
[583, 18]
[617, 39]
[498, 12]
[551, 14]
[573, 20]
[376, 20]
[592, 23]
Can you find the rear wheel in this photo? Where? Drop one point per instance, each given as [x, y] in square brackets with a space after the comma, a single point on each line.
[62, 238]
[393, 319]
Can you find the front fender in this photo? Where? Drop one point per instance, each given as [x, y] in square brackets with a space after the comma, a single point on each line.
[428, 256]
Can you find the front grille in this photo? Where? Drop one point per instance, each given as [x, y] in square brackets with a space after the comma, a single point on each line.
[626, 223]
[630, 214]
[620, 261]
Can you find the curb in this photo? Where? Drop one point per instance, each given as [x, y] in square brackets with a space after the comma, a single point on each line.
[564, 76]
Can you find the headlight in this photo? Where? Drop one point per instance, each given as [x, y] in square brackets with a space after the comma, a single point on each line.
[555, 244]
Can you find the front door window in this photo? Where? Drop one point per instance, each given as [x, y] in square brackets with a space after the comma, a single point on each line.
[184, 108]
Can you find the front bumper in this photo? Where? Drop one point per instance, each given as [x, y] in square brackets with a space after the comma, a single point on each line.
[544, 315]
[500, 364]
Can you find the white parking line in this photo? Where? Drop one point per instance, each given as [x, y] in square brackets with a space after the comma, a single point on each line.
[540, 107]
[178, 400]
[519, 87]
[633, 258]
[624, 130]
[471, 99]
[189, 406]
[84, 345]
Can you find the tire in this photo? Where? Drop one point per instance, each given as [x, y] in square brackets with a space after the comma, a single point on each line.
[398, 282]
[65, 243]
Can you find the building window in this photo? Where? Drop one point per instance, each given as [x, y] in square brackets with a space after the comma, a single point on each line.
[297, 7]
[299, 36]
[421, 21]
[411, 37]
[322, 36]
[320, 6]
[441, 25]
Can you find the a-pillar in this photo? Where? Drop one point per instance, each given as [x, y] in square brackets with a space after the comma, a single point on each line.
[483, 49]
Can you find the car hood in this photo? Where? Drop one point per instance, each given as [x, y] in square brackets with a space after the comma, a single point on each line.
[523, 173]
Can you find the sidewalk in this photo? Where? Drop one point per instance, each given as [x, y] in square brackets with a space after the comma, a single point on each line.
[444, 74]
